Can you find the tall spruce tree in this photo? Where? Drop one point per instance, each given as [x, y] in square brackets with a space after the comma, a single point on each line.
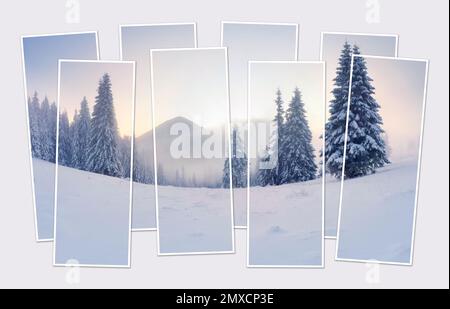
[83, 132]
[272, 176]
[103, 157]
[64, 141]
[278, 137]
[35, 132]
[335, 126]
[296, 145]
[366, 149]
[238, 164]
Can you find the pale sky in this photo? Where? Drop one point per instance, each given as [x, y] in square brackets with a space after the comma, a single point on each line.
[192, 84]
[332, 44]
[399, 89]
[137, 41]
[266, 78]
[254, 42]
[79, 79]
[41, 59]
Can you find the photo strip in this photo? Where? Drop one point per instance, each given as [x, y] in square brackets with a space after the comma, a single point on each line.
[336, 51]
[40, 55]
[94, 163]
[247, 41]
[383, 143]
[191, 128]
[285, 193]
[136, 41]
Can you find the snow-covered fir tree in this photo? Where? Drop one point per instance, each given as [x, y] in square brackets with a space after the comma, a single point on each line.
[264, 175]
[273, 176]
[277, 140]
[33, 116]
[103, 157]
[64, 141]
[44, 130]
[335, 126]
[366, 149]
[83, 132]
[73, 132]
[142, 173]
[238, 163]
[125, 155]
[52, 131]
[296, 145]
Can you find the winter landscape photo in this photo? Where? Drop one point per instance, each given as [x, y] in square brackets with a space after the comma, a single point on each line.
[247, 41]
[379, 194]
[286, 122]
[136, 43]
[191, 132]
[40, 64]
[336, 51]
[94, 163]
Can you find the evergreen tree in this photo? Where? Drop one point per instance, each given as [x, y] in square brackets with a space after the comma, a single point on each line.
[52, 131]
[238, 164]
[141, 172]
[65, 143]
[264, 177]
[45, 133]
[125, 155]
[35, 134]
[335, 126]
[73, 132]
[277, 140]
[296, 146]
[366, 149]
[83, 132]
[272, 176]
[103, 156]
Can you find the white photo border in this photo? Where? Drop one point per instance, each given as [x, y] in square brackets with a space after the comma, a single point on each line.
[233, 250]
[419, 163]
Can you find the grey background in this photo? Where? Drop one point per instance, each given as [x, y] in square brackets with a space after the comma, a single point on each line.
[423, 30]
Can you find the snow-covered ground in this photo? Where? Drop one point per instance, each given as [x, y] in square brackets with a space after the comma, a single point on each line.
[93, 215]
[194, 220]
[378, 213]
[332, 199]
[144, 209]
[44, 190]
[286, 225]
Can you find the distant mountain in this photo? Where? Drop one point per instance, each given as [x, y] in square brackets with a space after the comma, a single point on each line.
[180, 171]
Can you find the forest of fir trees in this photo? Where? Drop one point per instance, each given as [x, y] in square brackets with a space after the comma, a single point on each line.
[88, 142]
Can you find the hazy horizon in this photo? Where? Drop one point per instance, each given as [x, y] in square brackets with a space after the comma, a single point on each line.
[399, 90]
[254, 42]
[137, 41]
[192, 84]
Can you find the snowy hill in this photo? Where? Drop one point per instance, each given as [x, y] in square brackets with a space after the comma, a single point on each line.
[378, 213]
[92, 218]
[286, 225]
